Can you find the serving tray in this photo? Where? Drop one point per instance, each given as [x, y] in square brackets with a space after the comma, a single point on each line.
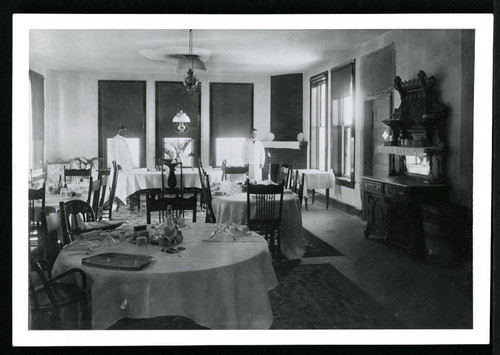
[118, 261]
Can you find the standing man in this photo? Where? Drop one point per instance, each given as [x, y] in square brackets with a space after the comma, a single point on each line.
[120, 149]
[254, 156]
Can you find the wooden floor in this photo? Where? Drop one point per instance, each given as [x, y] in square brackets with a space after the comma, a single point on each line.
[420, 293]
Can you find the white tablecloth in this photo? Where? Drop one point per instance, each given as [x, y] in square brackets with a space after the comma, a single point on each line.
[141, 179]
[318, 179]
[233, 209]
[219, 285]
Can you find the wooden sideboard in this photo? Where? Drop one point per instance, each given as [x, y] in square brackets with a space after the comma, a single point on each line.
[391, 208]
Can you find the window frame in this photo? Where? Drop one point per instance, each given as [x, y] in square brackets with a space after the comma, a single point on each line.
[315, 81]
[337, 145]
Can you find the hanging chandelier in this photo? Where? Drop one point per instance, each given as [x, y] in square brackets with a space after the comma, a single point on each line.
[191, 61]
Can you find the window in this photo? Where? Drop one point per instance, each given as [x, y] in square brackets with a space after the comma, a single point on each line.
[172, 144]
[230, 149]
[37, 119]
[231, 118]
[122, 102]
[342, 124]
[170, 98]
[318, 121]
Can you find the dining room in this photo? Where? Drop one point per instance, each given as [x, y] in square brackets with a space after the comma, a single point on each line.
[251, 179]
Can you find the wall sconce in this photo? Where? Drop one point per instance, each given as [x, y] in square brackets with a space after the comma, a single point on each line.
[182, 121]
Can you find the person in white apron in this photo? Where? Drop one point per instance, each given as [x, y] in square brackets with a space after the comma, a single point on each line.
[254, 156]
[120, 150]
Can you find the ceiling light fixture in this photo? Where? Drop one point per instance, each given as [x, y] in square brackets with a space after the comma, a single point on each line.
[191, 61]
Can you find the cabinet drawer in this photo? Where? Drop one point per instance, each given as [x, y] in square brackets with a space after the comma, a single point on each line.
[374, 187]
[396, 192]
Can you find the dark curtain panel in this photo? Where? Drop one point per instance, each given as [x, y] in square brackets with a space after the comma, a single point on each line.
[231, 112]
[170, 98]
[286, 106]
[122, 102]
[37, 119]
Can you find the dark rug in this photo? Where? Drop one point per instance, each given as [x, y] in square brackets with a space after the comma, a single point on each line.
[320, 297]
[307, 297]
[316, 247]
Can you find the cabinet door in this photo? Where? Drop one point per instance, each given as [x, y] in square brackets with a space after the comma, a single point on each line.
[377, 214]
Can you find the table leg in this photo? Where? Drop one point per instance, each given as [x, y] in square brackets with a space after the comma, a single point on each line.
[314, 192]
[327, 197]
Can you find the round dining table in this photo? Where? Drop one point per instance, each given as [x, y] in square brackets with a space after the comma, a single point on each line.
[219, 284]
[232, 208]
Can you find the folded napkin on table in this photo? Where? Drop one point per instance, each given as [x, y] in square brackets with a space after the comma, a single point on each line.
[82, 245]
[102, 224]
[232, 233]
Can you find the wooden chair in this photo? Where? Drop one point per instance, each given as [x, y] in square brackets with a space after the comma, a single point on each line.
[74, 212]
[180, 204]
[285, 172]
[233, 172]
[107, 209]
[157, 203]
[93, 195]
[75, 173]
[53, 236]
[264, 214]
[202, 173]
[298, 187]
[102, 196]
[51, 295]
[36, 203]
[210, 215]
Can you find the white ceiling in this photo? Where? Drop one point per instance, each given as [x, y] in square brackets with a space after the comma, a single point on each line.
[257, 52]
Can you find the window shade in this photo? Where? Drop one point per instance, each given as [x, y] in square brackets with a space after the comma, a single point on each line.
[231, 112]
[170, 98]
[37, 119]
[341, 82]
[122, 102]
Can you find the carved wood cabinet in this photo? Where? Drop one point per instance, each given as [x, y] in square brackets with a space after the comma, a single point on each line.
[416, 149]
[391, 208]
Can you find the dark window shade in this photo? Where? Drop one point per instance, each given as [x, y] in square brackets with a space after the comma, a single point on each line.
[341, 82]
[37, 119]
[231, 112]
[286, 106]
[122, 102]
[170, 98]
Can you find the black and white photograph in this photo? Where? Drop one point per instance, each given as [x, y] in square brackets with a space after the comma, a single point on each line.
[277, 175]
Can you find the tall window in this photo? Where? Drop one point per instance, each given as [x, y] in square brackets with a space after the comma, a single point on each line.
[231, 118]
[342, 123]
[318, 121]
[171, 97]
[37, 109]
[122, 102]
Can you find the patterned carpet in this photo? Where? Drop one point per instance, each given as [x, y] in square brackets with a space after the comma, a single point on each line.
[308, 297]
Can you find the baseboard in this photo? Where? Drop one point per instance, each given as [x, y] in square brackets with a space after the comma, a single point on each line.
[344, 207]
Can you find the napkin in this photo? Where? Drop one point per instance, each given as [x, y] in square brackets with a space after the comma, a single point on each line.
[232, 233]
[90, 235]
[82, 245]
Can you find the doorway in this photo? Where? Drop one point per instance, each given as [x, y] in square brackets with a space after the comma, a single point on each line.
[377, 109]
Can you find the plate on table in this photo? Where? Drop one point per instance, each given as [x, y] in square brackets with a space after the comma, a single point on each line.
[119, 261]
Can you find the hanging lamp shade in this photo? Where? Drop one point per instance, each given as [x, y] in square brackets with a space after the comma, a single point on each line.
[191, 61]
[181, 117]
